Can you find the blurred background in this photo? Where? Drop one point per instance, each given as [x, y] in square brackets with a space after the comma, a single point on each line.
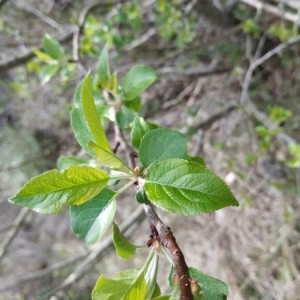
[228, 78]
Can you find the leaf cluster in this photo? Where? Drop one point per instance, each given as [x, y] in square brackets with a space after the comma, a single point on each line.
[165, 175]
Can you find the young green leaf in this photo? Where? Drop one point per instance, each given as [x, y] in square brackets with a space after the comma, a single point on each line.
[103, 68]
[52, 47]
[65, 162]
[212, 288]
[161, 144]
[127, 285]
[186, 188]
[90, 220]
[139, 128]
[109, 289]
[91, 115]
[137, 289]
[48, 192]
[112, 84]
[47, 72]
[85, 120]
[123, 247]
[294, 161]
[44, 57]
[137, 79]
[79, 124]
[151, 276]
[109, 159]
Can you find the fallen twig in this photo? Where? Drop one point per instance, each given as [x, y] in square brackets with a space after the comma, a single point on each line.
[259, 5]
[13, 231]
[259, 61]
[29, 8]
[245, 100]
[212, 119]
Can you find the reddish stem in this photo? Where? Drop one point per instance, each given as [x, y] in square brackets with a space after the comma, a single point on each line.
[167, 239]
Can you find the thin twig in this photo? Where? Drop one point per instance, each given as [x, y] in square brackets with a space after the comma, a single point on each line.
[212, 119]
[167, 239]
[201, 70]
[273, 10]
[259, 61]
[141, 40]
[33, 10]
[80, 26]
[248, 105]
[45, 272]
[82, 19]
[180, 98]
[13, 231]
[129, 152]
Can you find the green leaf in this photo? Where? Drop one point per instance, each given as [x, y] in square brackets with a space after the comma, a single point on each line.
[112, 84]
[91, 115]
[251, 26]
[33, 66]
[48, 192]
[52, 47]
[125, 117]
[157, 293]
[134, 104]
[85, 120]
[137, 79]
[186, 188]
[197, 159]
[294, 161]
[212, 288]
[90, 220]
[164, 297]
[109, 159]
[123, 247]
[47, 72]
[262, 131]
[139, 128]
[103, 68]
[161, 144]
[137, 289]
[79, 124]
[109, 289]
[151, 276]
[44, 57]
[65, 162]
[127, 285]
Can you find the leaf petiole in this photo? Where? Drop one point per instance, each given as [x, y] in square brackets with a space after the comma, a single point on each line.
[125, 187]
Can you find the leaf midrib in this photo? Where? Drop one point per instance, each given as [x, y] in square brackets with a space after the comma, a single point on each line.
[60, 189]
[181, 188]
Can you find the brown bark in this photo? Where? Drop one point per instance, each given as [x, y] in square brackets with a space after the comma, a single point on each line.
[165, 236]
